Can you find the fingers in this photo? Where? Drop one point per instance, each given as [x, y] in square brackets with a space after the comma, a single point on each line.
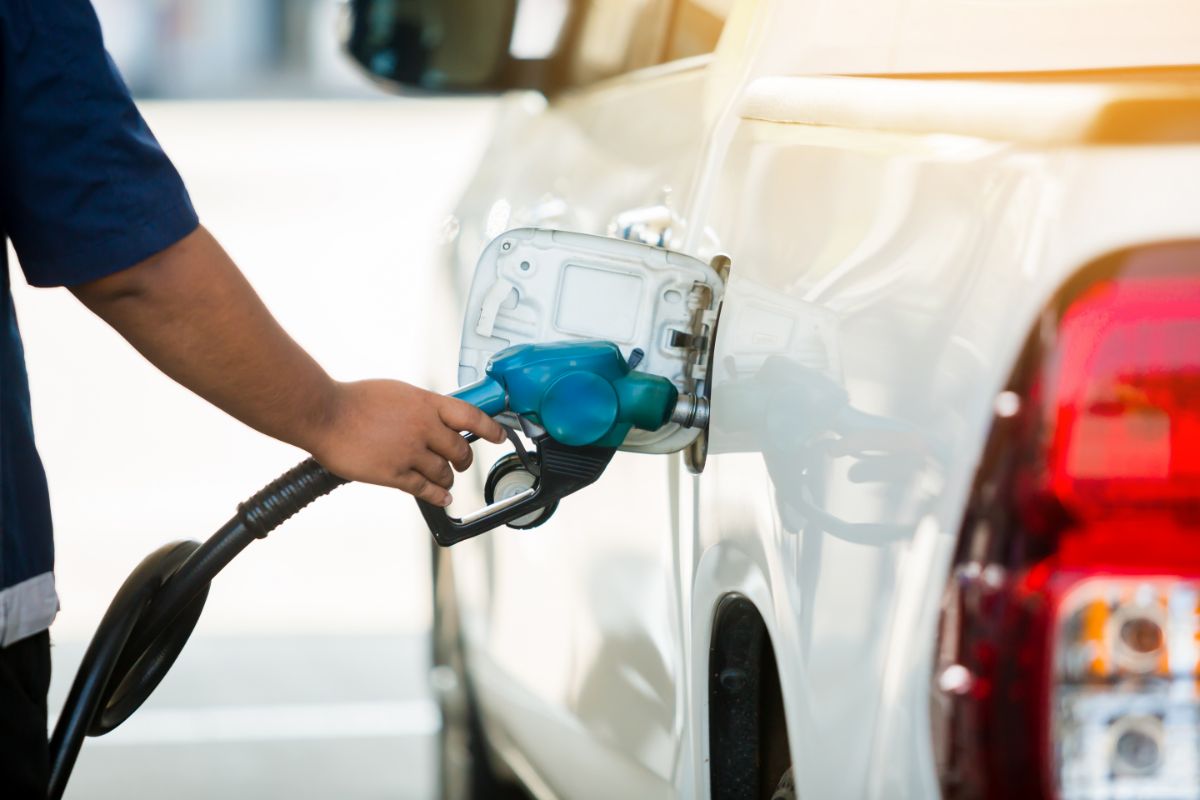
[452, 447]
[422, 488]
[462, 416]
[435, 469]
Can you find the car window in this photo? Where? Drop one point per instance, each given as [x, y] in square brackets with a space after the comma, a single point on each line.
[695, 27]
[617, 36]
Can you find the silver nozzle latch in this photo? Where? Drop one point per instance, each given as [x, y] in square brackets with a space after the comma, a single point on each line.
[691, 411]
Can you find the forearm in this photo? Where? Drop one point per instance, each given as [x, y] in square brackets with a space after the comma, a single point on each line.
[191, 313]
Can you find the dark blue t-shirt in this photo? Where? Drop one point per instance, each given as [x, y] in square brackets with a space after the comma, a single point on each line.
[85, 191]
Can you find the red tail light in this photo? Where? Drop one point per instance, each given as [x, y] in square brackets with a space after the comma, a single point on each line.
[1069, 648]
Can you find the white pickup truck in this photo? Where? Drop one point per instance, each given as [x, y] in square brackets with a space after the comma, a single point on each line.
[941, 537]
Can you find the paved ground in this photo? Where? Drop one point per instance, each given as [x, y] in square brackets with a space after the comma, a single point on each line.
[271, 716]
[305, 677]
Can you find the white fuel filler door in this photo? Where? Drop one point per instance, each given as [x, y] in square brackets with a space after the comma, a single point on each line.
[535, 285]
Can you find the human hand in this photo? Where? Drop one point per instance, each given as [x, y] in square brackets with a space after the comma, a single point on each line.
[392, 434]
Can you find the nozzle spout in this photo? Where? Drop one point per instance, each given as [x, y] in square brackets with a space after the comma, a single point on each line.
[691, 411]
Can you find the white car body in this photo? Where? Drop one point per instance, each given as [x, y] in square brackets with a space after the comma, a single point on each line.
[895, 226]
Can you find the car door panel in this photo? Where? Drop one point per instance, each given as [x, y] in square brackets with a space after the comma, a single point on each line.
[569, 624]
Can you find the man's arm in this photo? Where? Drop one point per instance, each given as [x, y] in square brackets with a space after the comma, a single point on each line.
[190, 311]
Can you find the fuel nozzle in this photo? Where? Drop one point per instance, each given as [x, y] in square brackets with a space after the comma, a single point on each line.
[582, 399]
[582, 393]
[691, 411]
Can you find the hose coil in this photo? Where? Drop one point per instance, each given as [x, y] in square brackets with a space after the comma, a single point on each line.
[154, 612]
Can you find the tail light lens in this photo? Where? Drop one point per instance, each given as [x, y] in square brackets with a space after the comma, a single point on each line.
[1068, 660]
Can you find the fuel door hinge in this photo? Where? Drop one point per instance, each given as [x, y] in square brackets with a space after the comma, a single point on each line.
[695, 340]
[706, 316]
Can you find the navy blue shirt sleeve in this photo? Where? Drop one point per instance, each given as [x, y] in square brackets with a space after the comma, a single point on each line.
[86, 189]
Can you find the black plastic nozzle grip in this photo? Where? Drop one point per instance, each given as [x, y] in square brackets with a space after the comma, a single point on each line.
[564, 470]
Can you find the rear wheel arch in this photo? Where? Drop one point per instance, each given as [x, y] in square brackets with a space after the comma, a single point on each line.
[748, 740]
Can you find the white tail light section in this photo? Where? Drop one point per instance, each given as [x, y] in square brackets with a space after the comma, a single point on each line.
[1126, 705]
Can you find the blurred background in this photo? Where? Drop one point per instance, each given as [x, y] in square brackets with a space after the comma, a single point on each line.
[177, 49]
[307, 674]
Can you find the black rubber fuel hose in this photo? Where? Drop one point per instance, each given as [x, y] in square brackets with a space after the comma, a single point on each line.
[155, 610]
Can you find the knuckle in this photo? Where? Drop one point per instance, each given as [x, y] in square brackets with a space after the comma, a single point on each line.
[437, 469]
[440, 475]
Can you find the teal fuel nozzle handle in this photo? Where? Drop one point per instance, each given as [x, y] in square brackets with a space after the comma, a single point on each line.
[578, 401]
[581, 393]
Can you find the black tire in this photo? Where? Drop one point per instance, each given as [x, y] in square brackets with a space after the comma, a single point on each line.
[465, 769]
